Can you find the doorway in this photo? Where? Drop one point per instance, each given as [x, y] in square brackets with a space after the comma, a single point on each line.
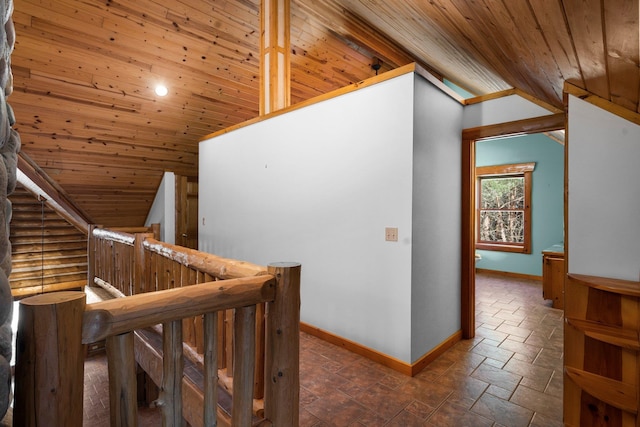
[470, 137]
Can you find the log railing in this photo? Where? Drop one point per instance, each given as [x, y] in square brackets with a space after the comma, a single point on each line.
[196, 293]
[129, 264]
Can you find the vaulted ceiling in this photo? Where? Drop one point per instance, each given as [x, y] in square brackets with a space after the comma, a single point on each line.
[85, 71]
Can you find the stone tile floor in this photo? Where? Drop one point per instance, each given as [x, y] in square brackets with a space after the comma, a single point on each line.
[510, 374]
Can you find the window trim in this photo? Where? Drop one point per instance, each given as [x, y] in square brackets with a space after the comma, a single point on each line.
[518, 169]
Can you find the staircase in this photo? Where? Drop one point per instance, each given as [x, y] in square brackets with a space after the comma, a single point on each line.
[48, 253]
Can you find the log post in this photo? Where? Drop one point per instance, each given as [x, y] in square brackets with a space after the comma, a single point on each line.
[282, 370]
[49, 374]
[155, 229]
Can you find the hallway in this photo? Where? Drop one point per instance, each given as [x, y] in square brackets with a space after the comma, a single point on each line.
[509, 375]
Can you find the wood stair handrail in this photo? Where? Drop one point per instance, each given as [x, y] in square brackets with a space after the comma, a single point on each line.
[121, 315]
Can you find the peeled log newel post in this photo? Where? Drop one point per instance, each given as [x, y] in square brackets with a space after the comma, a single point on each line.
[282, 367]
[50, 361]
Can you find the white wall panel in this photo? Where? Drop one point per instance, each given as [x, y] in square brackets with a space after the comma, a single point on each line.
[318, 186]
[604, 193]
[501, 110]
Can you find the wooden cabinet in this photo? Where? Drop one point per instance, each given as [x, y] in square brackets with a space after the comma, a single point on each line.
[602, 352]
[553, 275]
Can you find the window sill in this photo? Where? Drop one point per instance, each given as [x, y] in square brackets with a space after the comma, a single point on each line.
[503, 247]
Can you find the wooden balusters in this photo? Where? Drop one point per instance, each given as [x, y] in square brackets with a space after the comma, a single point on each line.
[244, 347]
[172, 372]
[123, 402]
[254, 343]
[210, 369]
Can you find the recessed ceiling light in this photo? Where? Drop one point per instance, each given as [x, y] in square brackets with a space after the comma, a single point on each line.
[161, 90]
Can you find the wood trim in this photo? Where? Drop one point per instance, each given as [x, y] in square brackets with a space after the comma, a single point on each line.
[506, 169]
[410, 369]
[503, 247]
[509, 92]
[468, 238]
[519, 127]
[467, 256]
[521, 169]
[489, 96]
[537, 101]
[528, 176]
[354, 347]
[427, 358]
[400, 71]
[509, 274]
[605, 104]
[438, 83]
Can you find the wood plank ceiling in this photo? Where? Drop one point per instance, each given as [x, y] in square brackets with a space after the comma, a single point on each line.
[85, 71]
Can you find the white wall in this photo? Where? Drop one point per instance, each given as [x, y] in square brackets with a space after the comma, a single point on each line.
[435, 298]
[163, 209]
[501, 110]
[318, 186]
[604, 193]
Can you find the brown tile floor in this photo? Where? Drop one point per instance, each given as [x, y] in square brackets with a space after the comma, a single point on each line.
[509, 375]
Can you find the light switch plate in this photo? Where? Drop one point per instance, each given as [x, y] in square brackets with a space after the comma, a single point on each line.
[391, 234]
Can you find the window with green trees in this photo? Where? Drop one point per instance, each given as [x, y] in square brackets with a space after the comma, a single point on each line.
[503, 218]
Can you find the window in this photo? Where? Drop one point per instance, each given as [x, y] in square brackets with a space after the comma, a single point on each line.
[503, 218]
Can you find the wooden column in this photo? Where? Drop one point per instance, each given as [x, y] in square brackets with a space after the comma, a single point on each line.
[275, 68]
[282, 370]
[49, 372]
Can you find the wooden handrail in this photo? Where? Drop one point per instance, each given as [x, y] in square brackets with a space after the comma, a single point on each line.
[222, 268]
[140, 265]
[114, 236]
[117, 316]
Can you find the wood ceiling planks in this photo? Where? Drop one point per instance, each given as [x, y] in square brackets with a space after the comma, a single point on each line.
[84, 72]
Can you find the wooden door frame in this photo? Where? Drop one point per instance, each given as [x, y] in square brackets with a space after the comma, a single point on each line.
[469, 138]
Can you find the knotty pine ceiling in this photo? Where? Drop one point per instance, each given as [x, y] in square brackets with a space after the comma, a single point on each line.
[84, 72]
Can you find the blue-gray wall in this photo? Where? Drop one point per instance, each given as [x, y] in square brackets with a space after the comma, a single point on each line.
[547, 214]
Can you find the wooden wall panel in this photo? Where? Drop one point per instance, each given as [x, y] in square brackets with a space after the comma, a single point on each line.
[46, 250]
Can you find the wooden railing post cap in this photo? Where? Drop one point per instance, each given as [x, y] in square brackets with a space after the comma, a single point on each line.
[53, 298]
[284, 264]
